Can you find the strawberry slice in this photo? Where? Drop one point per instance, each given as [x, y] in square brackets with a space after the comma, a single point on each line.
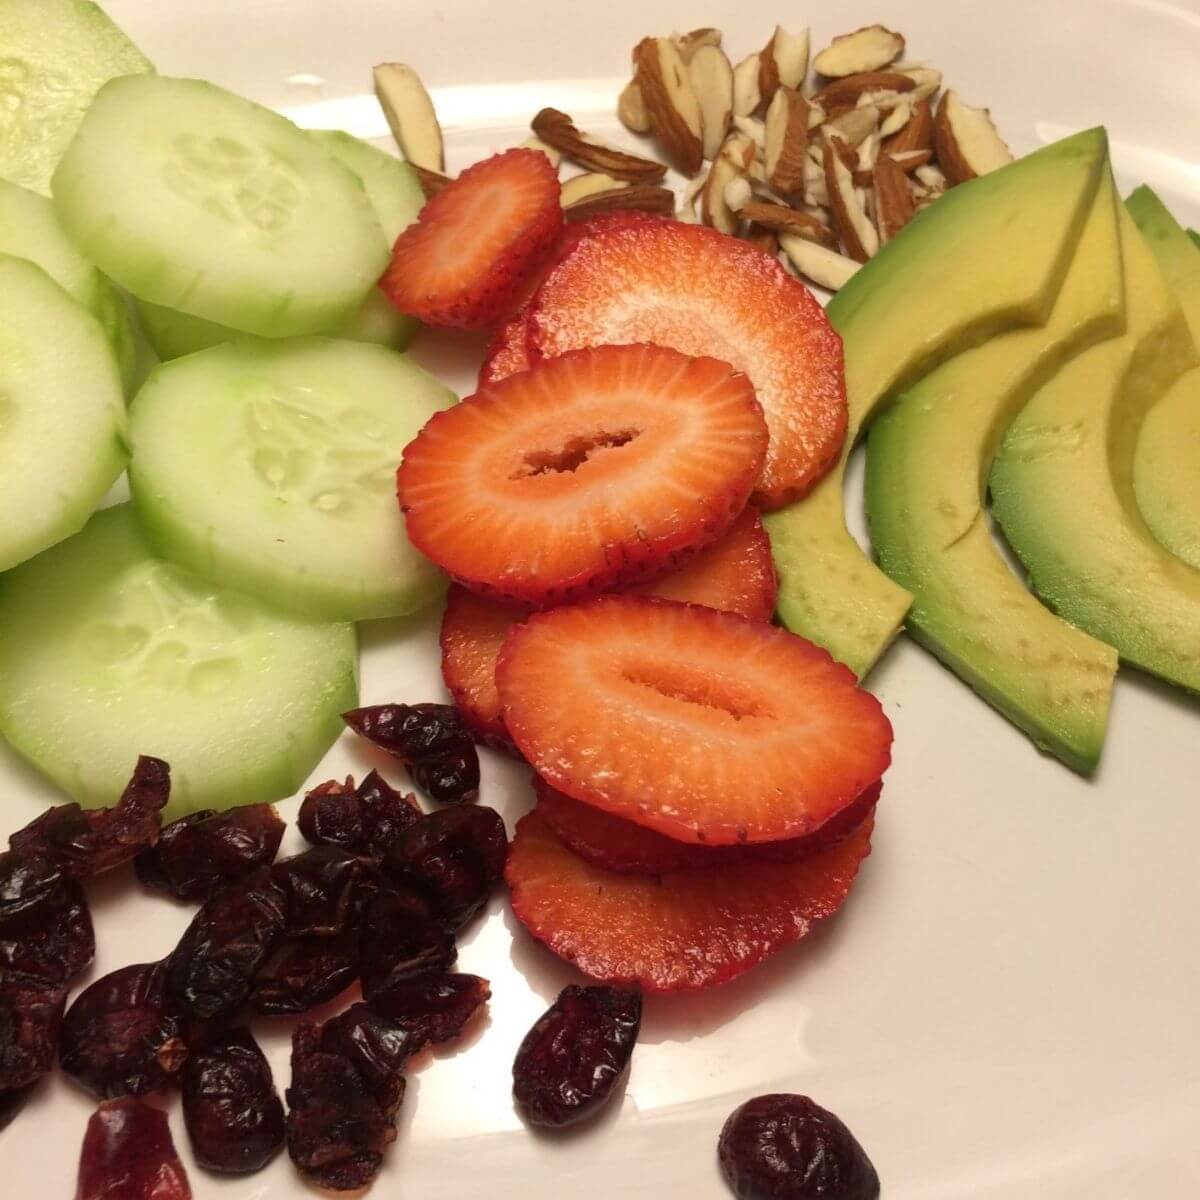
[686, 930]
[508, 351]
[591, 471]
[618, 845]
[735, 573]
[692, 288]
[476, 242]
[699, 724]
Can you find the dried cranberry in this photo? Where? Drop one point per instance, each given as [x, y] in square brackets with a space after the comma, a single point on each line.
[433, 1008]
[571, 1059]
[121, 1036]
[12, 1100]
[128, 1154]
[46, 932]
[87, 843]
[232, 1111]
[198, 854]
[331, 815]
[785, 1147]
[320, 887]
[454, 858]
[303, 973]
[386, 814]
[210, 972]
[30, 1017]
[377, 1047]
[400, 940]
[451, 778]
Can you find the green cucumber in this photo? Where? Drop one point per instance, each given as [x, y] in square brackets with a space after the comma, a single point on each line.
[269, 466]
[107, 653]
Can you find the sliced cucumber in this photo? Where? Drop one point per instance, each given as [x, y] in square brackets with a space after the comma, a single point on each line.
[270, 467]
[54, 55]
[62, 413]
[173, 334]
[202, 201]
[107, 653]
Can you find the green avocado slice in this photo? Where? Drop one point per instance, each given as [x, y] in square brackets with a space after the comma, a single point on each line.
[928, 459]
[1166, 467]
[989, 256]
[1062, 486]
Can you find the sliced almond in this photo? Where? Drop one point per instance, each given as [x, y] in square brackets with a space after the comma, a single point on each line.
[788, 220]
[858, 236]
[847, 153]
[854, 125]
[674, 110]
[917, 134]
[558, 130]
[738, 193]
[909, 160]
[896, 119]
[768, 71]
[765, 239]
[431, 182]
[635, 197]
[815, 191]
[410, 115]
[932, 177]
[816, 114]
[688, 43]
[746, 93]
[631, 109]
[786, 140]
[754, 129]
[712, 81]
[893, 198]
[740, 151]
[726, 167]
[868, 151]
[791, 56]
[535, 143]
[589, 184]
[926, 80]
[966, 141]
[845, 93]
[868, 49]
[823, 266]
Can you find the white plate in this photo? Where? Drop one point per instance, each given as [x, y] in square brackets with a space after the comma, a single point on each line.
[1007, 1005]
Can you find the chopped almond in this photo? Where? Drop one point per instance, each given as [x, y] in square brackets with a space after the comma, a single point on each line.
[688, 43]
[917, 134]
[410, 115]
[783, 219]
[893, 198]
[558, 130]
[858, 236]
[636, 197]
[631, 109]
[823, 266]
[845, 93]
[536, 143]
[966, 140]
[712, 81]
[671, 102]
[869, 49]
[582, 186]
[746, 93]
[786, 141]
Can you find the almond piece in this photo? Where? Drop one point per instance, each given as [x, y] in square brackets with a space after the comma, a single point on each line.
[868, 151]
[816, 114]
[738, 193]
[868, 49]
[786, 141]
[815, 191]
[410, 115]
[845, 93]
[765, 239]
[917, 134]
[631, 109]
[671, 102]
[824, 267]
[854, 125]
[768, 71]
[581, 186]
[688, 43]
[535, 143]
[926, 80]
[966, 140]
[558, 130]
[712, 81]
[909, 160]
[431, 182]
[726, 167]
[858, 236]
[893, 198]
[896, 119]
[932, 177]
[637, 197]
[791, 56]
[746, 93]
[783, 219]
[740, 151]
[754, 129]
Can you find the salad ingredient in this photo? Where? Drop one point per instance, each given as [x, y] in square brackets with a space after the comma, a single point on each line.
[786, 1147]
[823, 266]
[155, 157]
[200, 853]
[700, 293]
[855, 229]
[616, 463]
[453, 858]
[765, 736]
[106, 652]
[869, 49]
[572, 1059]
[966, 140]
[45, 926]
[364, 820]
[910, 309]
[894, 206]
[306, 434]
[711, 76]
[431, 739]
[785, 144]
[410, 115]
[210, 972]
[377, 1048]
[303, 973]
[631, 108]
[61, 52]
[400, 940]
[122, 1036]
[30, 1018]
[63, 444]
[232, 1111]
[322, 889]
[507, 352]
[1062, 486]
[432, 1008]
[928, 459]
[592, 153]
[128, 1154]
[671, 103]
[680, 931]
[624, 198]
[476, 241]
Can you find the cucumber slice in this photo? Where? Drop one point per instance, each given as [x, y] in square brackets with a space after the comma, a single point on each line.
[54, 55]
[196, 199]
[270, 467]
[29, 229]
[173, 334]
[391, 183]
[62, 414]
[107, 653]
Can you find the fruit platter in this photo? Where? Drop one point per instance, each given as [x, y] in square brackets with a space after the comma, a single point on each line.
[599, 603]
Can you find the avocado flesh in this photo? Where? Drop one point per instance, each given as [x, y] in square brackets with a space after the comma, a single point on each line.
[989, 256]
[928, 459]
[1166, 467]
[1062, 485]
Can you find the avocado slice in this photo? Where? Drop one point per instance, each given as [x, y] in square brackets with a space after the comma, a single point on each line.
[990, 255]
[1062, 485]
[928, 459]
[1166, 467]
[1194, 236]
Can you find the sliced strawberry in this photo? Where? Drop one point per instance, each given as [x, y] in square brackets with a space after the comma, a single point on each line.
[591, 471]
[508, 351]
[699, 724]
[476, 242]
[618, 845]
[735, 573]
[695, 289]
[686, 930]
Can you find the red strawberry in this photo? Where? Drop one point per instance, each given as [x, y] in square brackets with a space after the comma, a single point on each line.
[508, 351]
[695, 289]
[618, 845]
[699, 724]
[476, 241]
[686, 930]
[595, 470]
